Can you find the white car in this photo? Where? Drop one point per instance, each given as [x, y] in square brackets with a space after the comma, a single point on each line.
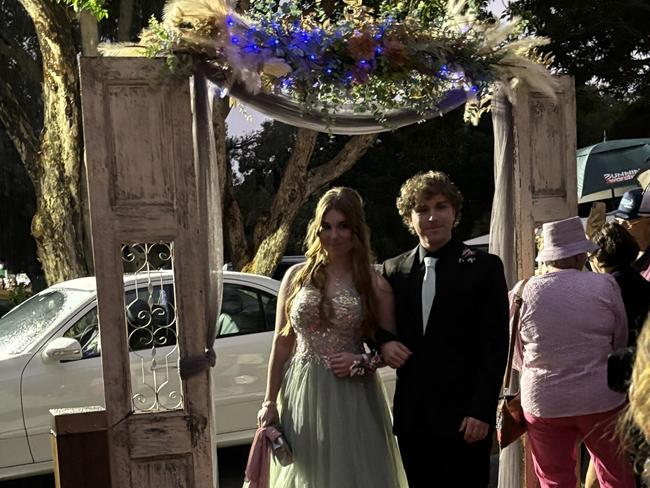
[50, 358]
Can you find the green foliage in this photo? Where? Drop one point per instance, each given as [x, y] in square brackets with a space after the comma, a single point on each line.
[19, 294]
[605, 45]
[396, 55]
[598, 41]
[95, 7]
[446, 144]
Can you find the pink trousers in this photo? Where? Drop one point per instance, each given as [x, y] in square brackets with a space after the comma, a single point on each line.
[553, 444]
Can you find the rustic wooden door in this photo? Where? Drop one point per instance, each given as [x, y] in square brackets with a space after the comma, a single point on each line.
[146, 156]
[545, 182]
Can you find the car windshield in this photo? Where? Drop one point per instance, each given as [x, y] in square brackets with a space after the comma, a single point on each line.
[22, 325]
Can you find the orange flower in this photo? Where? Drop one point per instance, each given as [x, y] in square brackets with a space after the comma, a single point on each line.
[396, 52]
[362, 46]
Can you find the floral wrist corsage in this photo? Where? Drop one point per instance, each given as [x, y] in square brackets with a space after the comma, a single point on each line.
[366, 365]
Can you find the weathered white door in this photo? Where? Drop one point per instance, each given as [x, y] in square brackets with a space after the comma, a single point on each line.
[148, 212]
[545, 181]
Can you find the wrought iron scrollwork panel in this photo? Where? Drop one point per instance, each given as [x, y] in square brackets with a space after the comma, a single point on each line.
[152, 327]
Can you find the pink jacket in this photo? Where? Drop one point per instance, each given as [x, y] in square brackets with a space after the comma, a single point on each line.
[259, 457]
[570, 322]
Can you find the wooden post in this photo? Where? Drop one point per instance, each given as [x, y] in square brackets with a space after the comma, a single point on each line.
[535, 182]
[144, 135]
[80, 448]
[545, 181]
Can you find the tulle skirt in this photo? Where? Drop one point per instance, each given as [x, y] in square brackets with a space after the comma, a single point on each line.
[339, 430]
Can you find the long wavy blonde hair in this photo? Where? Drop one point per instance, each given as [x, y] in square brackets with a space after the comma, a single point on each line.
[350, 204]
[634, 424]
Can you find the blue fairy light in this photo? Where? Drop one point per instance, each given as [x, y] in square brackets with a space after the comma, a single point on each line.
[329, 71]
[229, 21]
[313, 57]
[363, 63]
[379, 50]
[234, 39]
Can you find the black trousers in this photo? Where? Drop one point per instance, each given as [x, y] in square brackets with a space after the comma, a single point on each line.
[436, 462]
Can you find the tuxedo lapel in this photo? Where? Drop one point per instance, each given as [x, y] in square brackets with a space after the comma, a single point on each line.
[411, 271]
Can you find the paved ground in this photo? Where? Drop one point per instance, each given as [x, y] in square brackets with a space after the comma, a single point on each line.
[232, 462]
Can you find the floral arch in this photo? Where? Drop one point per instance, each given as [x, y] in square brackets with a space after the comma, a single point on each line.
[361, 72]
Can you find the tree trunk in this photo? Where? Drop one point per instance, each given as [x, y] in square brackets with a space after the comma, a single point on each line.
[233, 223]
[272, 234]
[57, 224]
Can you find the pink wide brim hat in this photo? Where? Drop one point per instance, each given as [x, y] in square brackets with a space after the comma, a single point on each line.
[563, 239]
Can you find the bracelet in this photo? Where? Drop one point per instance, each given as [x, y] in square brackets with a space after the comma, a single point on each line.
[268, 403]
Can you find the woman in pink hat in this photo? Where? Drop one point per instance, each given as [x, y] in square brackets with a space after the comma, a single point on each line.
[570, 321]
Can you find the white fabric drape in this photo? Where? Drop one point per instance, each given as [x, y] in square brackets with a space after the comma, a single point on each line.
[345, 121]
[502, 243]
[502, 229]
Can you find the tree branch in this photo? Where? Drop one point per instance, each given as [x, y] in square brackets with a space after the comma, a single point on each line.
[19, 128]
[347, 157]
[292, 187]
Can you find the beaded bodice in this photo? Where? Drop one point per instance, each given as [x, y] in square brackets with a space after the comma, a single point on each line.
[317, 341]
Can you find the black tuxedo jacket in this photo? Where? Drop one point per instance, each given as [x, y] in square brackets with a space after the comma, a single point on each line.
[457, 366]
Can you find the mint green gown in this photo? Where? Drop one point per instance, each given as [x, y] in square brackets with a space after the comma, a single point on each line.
[338, 428]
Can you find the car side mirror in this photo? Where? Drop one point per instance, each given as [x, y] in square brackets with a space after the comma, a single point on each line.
[62, 349]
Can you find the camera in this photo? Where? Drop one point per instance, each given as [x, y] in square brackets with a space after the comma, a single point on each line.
[619, 368]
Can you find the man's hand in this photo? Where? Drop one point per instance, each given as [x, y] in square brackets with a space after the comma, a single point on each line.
[341, 362]
[395, 353]
[475, 429]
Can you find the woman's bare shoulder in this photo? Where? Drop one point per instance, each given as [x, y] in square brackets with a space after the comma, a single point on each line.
[379, 283]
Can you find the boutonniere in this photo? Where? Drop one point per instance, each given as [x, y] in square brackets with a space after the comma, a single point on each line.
[467, 256]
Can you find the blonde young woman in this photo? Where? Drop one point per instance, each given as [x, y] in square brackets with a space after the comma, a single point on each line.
[327, 400]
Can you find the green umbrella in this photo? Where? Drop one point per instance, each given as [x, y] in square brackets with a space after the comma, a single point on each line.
[607, 169]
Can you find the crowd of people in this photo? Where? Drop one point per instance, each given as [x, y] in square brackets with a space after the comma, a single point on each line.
[439, 315]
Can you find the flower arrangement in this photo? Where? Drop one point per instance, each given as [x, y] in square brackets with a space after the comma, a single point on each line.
[467, 256]
[371, 61]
